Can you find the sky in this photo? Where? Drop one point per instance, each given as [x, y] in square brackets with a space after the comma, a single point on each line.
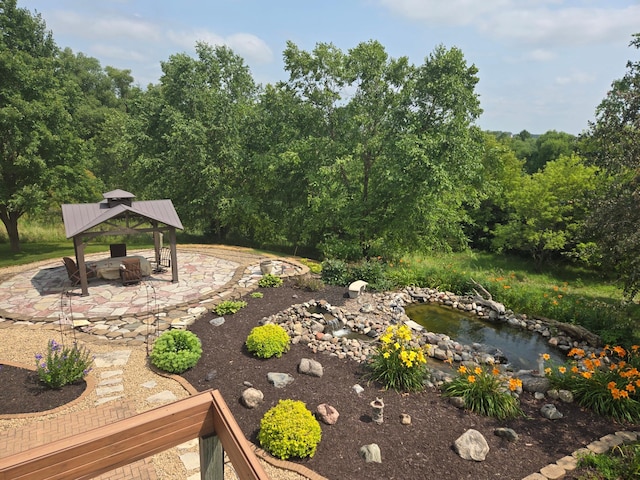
[543, 64]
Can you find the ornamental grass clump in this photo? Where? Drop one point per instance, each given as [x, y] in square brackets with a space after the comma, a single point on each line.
[176, 351]
[607, 382]
[267, 341]
[486, 391]
[289, 430]
[62, 365]
[398, 362]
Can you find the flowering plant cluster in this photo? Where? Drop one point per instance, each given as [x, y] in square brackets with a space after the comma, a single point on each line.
[607, 382]
[62, 365]
[399, 362]
[486, 391]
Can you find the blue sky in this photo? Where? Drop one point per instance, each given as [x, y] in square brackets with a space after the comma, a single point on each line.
[543, 64]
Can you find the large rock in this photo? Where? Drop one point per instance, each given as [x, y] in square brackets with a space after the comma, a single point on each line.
[252, 397]
[310, 367]
[371, 453]
[279, 380]
[327, 413]
[472, 445]
[535, 384]
[551, 412]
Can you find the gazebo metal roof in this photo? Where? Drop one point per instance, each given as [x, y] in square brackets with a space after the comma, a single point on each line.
[81, 220]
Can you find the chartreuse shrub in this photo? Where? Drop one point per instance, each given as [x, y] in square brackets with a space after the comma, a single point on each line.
[486, 391]
[289, 430]
[267, 341]
[314, 267]
[270, 281]
[176, 351]
[228, 307]
[398, 362]
[607, 382]
[62, 365]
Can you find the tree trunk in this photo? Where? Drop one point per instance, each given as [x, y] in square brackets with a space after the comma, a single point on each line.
[10, 220]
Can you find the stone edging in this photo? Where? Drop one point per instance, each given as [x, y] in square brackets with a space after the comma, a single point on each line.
[89, 379]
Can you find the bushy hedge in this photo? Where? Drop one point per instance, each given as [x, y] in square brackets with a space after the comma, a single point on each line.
[176, 351]
[267, 341]
[289, 430]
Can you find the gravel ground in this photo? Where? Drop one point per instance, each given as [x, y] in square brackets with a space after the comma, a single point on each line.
[26, 341]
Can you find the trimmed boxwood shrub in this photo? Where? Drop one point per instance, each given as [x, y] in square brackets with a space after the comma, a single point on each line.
[176, 351]
[289, 430]
[267, 341]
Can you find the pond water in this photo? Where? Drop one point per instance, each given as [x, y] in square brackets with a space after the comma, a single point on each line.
[521, 347]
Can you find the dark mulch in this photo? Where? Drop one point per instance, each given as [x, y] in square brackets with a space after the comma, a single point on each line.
[22, 392]
[420, 450]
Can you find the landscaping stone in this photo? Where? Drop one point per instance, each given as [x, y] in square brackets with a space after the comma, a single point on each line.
[551, 412]
[506, 433]
[310, 367]
[327, 413]
[252, 397]
[279, 380]
[371, 453]
[471, 445]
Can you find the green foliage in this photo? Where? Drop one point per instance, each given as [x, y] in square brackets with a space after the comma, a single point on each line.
[610, 388]
[62, 365]
[398, 362]
[548, 209]
[335, 272]
[314, 267]
[256, 295]
[486, 391]
[308, 282]
[266, 341]
[176, 351]
[270, 281]
[289, 430]
[228, 307]
[623, 461]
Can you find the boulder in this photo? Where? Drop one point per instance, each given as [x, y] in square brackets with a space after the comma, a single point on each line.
[472, 445]
[310, 367]
[327, 413]
[371, 453]
[252, 397]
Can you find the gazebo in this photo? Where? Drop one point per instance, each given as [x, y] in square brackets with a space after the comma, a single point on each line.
[122, 216]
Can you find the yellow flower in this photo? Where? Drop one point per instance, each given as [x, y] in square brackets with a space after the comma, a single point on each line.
[471, 378]
[547, 370]
[514, 384]
[562, 369]
[386, 354]
[462, 369]
[396, 346]
[477, 370]
[546, 356]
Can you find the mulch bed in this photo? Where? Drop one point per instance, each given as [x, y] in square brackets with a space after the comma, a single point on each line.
[420, 450]
[22, 392]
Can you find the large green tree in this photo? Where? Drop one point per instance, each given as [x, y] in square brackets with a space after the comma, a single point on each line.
[613, 143]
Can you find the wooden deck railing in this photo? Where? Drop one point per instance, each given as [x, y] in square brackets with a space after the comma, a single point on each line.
[89, 454]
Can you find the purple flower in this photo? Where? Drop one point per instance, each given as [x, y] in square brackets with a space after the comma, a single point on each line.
[38, 357]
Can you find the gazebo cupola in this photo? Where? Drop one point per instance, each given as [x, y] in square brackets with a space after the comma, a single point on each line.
[118, 197]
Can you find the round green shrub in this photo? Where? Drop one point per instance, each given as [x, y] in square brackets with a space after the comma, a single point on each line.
[289, 430]
[267, 341]
[176, 351]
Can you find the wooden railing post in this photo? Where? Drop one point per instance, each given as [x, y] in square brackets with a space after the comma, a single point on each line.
[211, 458]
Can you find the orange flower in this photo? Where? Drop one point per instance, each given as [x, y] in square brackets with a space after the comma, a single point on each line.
[547, 370]
[619, 351]
[611, 385]
[574, 369]
[559, 296]
[477, 370]
[462, 369]
[506, 286]
[586, 375]
[546, 356]
[495, 371]
[555, 288]
[630, 388]
[562, 369]
[471, 378]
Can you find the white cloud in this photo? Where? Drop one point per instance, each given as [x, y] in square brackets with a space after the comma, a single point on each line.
[540, 55]
[110, 27]
[115, 52]
[246, 45]
[541, 23]
[575, 78]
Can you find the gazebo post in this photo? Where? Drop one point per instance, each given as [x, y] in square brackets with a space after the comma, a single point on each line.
[174, 255]
[78, 245]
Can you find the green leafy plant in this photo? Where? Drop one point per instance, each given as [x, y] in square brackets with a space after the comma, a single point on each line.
[228, 307]
[314, 267]
[266, 341]
[335, 272]
[256, 295]
[607, 383]
[289, 430]
[486, 391]
[176, 351]
[397, 363]
[62, 365]
[623, 461]
[270, 281]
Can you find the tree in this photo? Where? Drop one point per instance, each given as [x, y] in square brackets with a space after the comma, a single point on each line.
[550, 146]
[613, 143]
[30, 111]
[548, 209]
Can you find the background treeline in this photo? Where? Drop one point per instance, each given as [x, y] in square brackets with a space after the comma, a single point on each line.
[356, 155]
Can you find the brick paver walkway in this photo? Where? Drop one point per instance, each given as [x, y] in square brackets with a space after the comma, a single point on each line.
[48, 430]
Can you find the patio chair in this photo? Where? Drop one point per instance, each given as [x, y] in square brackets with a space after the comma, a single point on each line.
[74, 272]
[164, 263]
[130, 271]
